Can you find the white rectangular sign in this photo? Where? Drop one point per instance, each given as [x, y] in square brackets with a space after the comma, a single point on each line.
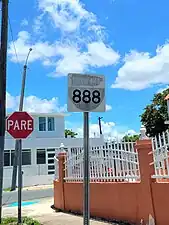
[86, 93]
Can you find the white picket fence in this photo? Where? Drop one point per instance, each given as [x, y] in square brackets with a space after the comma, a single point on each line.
[160, 147]
[115, 162]
[111, 162]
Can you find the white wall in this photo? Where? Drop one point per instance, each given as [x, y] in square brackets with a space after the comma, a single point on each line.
[32, 175]
[58, 133]
[38, 174]
[35, 143]
[51, 139]
[59, 128]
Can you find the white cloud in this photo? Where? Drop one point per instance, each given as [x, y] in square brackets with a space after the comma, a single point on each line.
[35, 104]
[130, 132]
[108, 107]
[24, 22]
[37, 25]
[41, 50]
[80, 47]
[101, 55]
[11, 101]
[71, 58]
[141, 70]
[67, 15]
[109, 129]
[75, 60]
[162, 89]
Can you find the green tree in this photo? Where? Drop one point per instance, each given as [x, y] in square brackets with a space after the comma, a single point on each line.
[70, 132]
[155, 114]
[131, 138]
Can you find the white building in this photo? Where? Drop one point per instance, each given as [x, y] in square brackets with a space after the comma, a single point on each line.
[39, 148]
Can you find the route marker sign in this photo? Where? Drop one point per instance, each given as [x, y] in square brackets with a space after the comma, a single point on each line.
[19, 125]
[86, 93]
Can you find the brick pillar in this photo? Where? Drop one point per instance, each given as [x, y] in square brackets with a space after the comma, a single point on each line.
[59, 198]
[145, 198]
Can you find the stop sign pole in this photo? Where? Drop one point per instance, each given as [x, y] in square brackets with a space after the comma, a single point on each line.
[20, 182]
[20, 125]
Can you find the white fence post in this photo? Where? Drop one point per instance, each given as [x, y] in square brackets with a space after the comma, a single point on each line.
[143, 135]
[58, 150]
[160, 146]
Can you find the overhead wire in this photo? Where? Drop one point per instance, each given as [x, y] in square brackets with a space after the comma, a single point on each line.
[13, 42]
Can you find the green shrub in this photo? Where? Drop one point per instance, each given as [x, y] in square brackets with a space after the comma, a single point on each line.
[25, 221]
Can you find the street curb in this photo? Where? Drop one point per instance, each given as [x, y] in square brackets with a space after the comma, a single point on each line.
[24, 190]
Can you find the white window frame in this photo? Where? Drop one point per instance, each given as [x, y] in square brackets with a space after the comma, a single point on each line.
[9, 152]
[10, 156]
[38, 150]
[28, 150]
[39, 124]
[46, 123]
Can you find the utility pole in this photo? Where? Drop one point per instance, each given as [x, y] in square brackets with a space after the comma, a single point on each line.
[100, 126]
[3, 59]
[18, 143]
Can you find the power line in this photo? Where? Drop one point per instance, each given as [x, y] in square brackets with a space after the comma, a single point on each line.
[12, 36]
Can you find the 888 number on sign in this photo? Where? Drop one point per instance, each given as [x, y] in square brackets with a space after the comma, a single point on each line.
[86, 96]
[86, 99]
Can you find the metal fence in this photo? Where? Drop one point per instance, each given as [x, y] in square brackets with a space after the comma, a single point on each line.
[111, 162]
[160, 147]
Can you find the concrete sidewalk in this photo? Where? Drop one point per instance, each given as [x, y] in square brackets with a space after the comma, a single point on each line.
[65, 219]
[43, 212]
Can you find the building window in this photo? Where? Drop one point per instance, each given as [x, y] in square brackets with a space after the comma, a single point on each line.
[26, 156]
[42, 123]
[51, 167]
[50, 161]
[46, 124]
[51, 172]
[51, 150]
[51, 155]
[7, 158]
[51, 123]
[41, 156]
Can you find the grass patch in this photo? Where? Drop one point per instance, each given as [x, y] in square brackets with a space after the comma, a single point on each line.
[7, 189]
[25, 221]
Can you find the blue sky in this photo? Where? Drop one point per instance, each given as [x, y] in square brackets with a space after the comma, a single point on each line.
[126, 40]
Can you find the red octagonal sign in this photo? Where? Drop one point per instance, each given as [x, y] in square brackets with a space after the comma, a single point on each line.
[20, 125]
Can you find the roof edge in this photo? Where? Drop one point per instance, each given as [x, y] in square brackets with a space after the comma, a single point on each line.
[44, 114]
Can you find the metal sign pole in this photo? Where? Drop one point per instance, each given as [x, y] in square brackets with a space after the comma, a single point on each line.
[18, 132]
[86, 179]
[86, 93]
[20, 183]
